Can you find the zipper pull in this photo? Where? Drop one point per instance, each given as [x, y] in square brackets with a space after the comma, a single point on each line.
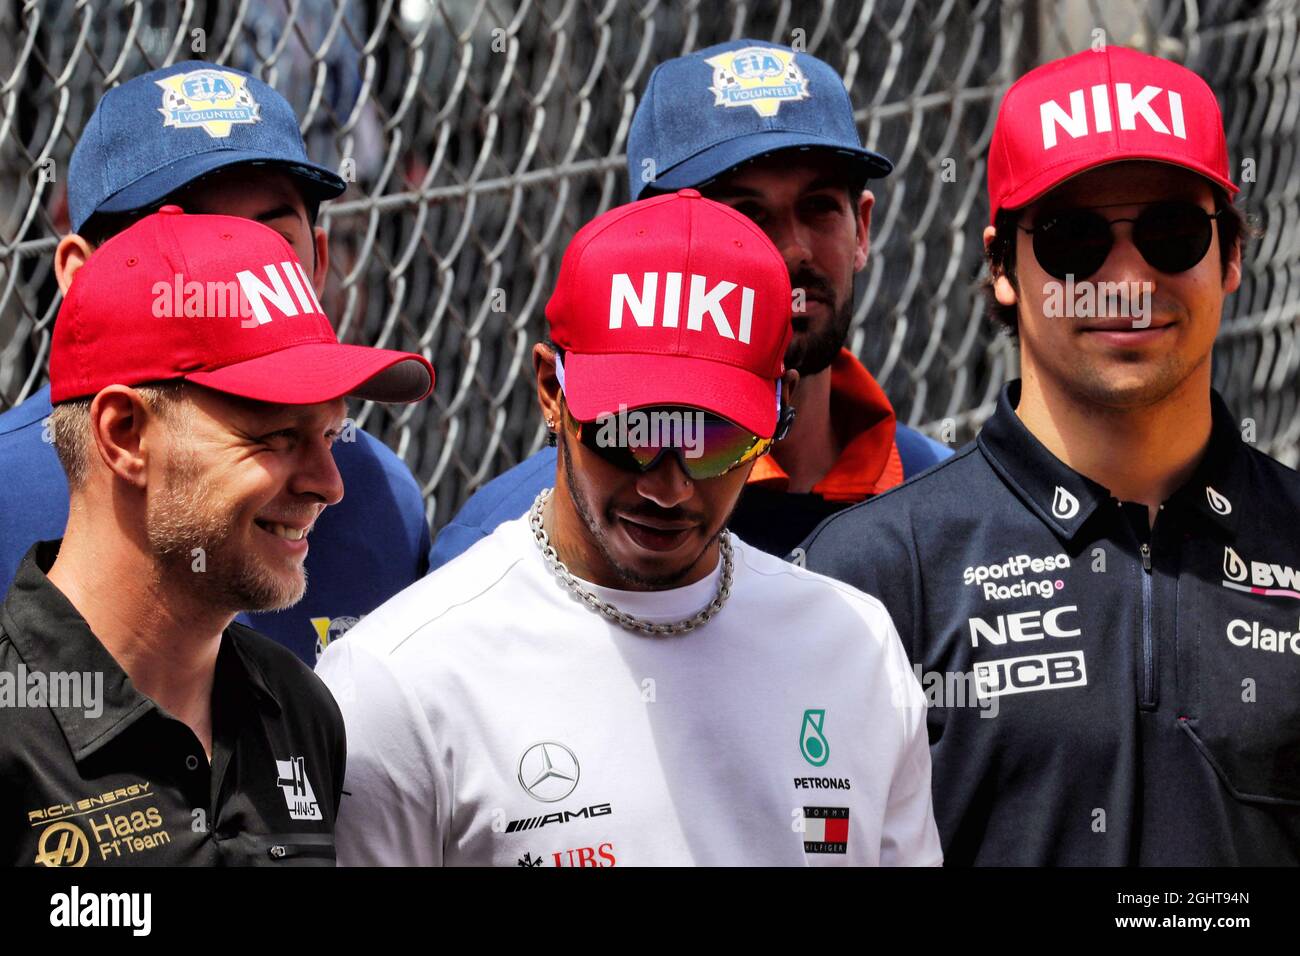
[1145, 550]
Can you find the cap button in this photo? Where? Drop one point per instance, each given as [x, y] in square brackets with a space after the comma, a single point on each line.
[689, 193]
[170, 210]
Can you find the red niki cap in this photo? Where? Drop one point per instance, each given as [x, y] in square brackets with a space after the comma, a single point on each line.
[675, 300]
[219, 301]
[1100, 107]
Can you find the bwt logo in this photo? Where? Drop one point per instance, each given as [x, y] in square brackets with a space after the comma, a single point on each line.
[703, 301]
[277, 292]
[1129, 107]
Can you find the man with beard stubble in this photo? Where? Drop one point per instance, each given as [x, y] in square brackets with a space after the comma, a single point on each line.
[198, 451]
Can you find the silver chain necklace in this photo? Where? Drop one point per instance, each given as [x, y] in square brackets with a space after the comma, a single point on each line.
[622, 618]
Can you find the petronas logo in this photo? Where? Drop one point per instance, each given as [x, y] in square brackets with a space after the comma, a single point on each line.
[812, 742]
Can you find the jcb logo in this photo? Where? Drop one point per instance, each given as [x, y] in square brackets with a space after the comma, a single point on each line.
[1128, 105]
[1019, 675]
[281, 279]
[648, 304]
[1023, 626]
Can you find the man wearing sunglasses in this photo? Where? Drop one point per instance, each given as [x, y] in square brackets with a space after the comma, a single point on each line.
[785, 152]
[1109, 572]
[614, 678]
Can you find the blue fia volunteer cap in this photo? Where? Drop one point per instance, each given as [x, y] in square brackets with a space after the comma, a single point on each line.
[160, 131]
[704, 113]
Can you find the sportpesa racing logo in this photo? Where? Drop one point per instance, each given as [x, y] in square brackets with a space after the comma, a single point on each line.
[1268, 580]
[988, 576]
[758, 76]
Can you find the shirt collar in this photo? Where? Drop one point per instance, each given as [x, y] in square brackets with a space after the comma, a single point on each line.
[1065, 499]
[864, 418]
[52, 637]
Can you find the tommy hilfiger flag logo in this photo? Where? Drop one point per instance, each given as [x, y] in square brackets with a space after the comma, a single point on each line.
[826, 829]
[298, 794]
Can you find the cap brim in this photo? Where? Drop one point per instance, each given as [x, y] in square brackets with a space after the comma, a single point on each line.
[157, 185]
[323, 371]
[711, 163]
[1036, 187]
[597, 385]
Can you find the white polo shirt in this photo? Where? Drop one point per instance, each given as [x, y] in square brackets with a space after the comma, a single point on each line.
[494, 719]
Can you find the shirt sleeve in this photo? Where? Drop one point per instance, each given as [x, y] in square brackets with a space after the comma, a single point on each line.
[394, 807]
[909, 836]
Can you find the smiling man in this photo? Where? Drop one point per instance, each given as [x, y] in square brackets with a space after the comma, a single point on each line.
[216, 140]
[614, 678]
[770, 132]
[1109, 563]
[198, 448]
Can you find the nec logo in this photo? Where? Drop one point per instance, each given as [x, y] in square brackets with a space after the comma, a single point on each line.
[1129, 107]
[282, 278]
[1023, 626]
[703, 301]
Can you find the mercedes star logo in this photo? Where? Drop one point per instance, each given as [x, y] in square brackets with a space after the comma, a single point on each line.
[548, 771]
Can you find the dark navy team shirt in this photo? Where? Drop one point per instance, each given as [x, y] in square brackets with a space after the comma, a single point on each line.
[364, 550]
[1102, 690]
[769, 520]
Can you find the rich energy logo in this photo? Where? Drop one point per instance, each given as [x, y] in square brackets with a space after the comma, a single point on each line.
[562, 816]
[1269, 580]
[988, 576]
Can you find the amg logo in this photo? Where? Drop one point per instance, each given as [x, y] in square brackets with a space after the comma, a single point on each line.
[564, 816]
[1019, 675]
[1129, 107]
[1023, 626]
[703, 301]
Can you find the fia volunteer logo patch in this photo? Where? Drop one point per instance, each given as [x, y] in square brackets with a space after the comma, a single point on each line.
[758, 76]
[211, 100]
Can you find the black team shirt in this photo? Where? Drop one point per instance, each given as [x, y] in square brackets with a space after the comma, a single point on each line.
[1103, 691]
[110, 779]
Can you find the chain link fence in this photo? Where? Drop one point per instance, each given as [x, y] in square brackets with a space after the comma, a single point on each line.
[477, 137]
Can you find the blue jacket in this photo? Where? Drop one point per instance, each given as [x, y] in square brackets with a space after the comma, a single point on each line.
[363, 550]
[509, 495]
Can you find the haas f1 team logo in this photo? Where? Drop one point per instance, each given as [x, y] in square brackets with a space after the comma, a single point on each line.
[298, 793]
